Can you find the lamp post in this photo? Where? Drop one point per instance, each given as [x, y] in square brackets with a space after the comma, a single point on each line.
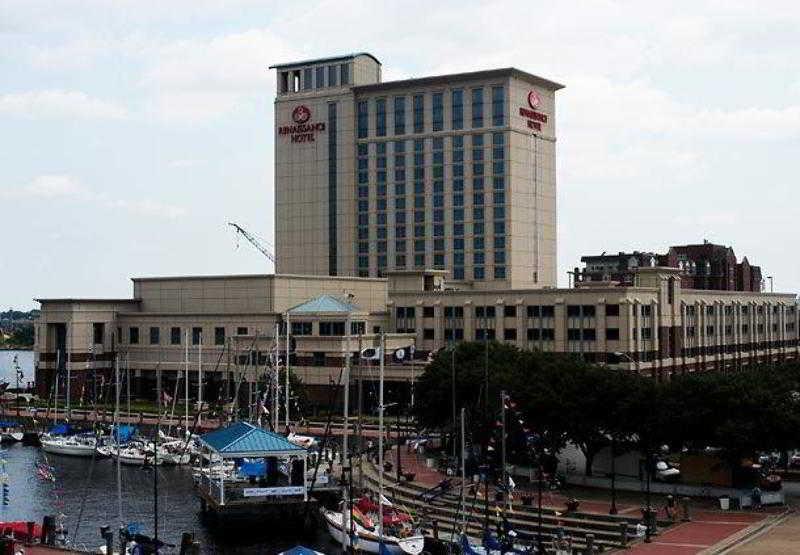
[613, 509]
[648, 511]
[770, 284]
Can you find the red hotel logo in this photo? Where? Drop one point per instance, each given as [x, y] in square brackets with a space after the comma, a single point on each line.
[301, 114]
[303, 131]
[535, 119]
[534, 100]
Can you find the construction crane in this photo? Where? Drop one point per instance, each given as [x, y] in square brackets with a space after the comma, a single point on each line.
[253, 241]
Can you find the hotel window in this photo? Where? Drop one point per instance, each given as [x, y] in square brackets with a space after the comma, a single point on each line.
[419, 113]
[219, 336]
[197, 336]
[438, 111]
[98, 331]
[457, 98]
[498, 106]
[477, 108]
[345, 74]
[242, 330]
[647, 310]
[331, 76]
[133, 336]
[499, 257]
[399, 115]
[478, 273]
[589, 334]
[363, 119]
[400, 261]
[175, 336]
[419, 260]
[320, 77]
[155, 336]
[612, 334]
[458, 272]
[612, 310]
[647, 334]
[510, 334]
[380, 117]
[307, 84]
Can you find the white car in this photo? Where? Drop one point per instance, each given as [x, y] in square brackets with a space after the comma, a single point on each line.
[666, 473]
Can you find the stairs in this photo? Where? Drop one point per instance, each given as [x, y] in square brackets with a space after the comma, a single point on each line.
[444, 509]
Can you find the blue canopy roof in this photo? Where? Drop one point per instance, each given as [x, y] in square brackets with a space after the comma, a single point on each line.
[300, 550]
[324, 303]
[245, 440]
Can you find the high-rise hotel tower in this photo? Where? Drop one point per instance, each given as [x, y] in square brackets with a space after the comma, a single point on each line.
[452, 172]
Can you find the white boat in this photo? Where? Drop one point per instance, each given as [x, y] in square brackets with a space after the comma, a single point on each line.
[131, 455]
[9, 436]
[368, 540]
[74, 446]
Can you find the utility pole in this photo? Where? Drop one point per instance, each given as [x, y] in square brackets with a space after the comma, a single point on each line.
[453, 393]
[463, 474]
[186, 382]
[380, 443]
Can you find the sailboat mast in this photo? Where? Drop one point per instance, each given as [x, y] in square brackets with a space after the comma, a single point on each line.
[128, 381]
[155, 455]
[55, 387]
[69, 370]
[276, 383]
[287, 373]
[380, 440]
[116, 429]
[347, 523]
[463, 474]
[186, 385]
[199, 378]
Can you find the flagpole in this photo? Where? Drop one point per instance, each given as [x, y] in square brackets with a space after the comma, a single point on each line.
[186, 385]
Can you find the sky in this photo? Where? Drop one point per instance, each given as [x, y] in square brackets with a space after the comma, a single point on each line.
[132, 131]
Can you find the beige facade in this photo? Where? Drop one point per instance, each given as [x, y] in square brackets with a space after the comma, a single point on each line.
[426, 208]
[453, 172]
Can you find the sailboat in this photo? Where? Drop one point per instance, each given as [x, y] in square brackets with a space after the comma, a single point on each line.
[351, 527]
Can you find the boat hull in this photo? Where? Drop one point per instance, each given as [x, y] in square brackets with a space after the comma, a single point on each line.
[70, 450]
[368, 541]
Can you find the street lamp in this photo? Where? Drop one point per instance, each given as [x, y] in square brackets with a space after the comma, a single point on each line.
[770, 284]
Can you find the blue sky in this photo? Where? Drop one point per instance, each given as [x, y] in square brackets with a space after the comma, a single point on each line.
[132, 131]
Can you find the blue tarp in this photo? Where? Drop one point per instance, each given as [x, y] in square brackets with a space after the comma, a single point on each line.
[253, 468]
[8, 424]
[124, 431]
[60, 430]
[466, 548]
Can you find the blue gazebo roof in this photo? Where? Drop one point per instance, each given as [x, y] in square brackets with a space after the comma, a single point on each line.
[245, 440]
[324, 303]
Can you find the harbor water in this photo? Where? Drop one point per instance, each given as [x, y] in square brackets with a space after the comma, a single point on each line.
[86, 493]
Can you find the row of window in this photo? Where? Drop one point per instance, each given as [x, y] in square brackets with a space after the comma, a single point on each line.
[744, 329]
[176, 335]
[490, 311]
[437, 101]
[326, 76]
[728, 310]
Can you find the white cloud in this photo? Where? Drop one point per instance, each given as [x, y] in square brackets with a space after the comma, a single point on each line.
[53, 188]
[203, 79]
[59, 104]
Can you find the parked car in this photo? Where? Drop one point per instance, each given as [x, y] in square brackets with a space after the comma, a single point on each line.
[666, 473]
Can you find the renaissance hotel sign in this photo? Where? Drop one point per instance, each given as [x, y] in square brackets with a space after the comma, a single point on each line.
[302, 130]
[535, 118]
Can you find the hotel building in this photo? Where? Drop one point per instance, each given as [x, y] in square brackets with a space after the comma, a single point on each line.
[422, 208]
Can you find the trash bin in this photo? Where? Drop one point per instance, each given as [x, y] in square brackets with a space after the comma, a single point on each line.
[725, 503]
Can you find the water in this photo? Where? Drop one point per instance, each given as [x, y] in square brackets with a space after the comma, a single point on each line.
[7, 366]
[31, 498]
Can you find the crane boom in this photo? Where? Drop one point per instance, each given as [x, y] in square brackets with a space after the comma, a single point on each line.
[253, 241]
